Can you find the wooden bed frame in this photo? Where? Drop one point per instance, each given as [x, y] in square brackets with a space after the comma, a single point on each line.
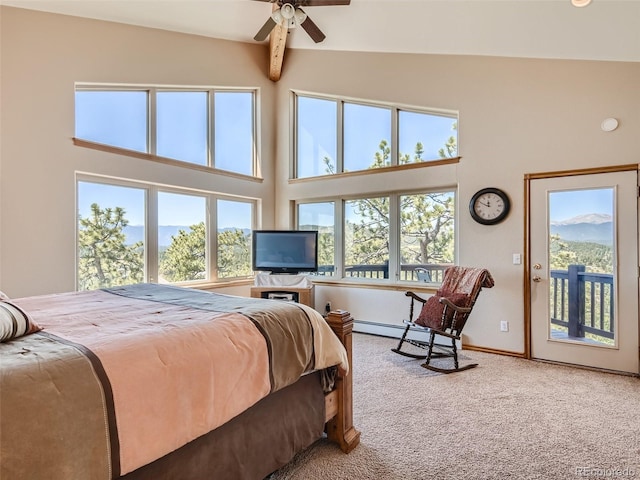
[339, 403]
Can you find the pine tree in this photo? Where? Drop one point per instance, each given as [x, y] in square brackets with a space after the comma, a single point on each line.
[104, 258]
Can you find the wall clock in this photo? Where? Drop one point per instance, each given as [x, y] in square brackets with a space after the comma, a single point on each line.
[489, 206]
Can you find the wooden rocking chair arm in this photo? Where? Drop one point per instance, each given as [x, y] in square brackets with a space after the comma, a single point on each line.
[450, 304]
[445, 334]
[415, 297]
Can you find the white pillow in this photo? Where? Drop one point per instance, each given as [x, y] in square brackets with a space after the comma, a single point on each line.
[15, 322]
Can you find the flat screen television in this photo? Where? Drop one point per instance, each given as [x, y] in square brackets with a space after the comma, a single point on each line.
[285, 251]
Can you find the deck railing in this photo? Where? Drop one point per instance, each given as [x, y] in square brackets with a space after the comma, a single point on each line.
[408, 272]
[582, 302]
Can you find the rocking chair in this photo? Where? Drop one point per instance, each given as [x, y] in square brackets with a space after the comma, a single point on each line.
[445, 315]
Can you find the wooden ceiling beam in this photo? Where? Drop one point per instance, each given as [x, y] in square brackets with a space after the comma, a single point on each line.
[277, 45]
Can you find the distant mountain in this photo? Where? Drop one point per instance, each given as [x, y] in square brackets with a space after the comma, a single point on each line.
[593, 227]
[135, 233]
[595, 218]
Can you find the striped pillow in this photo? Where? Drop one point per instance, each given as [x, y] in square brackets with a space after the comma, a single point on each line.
[15, 322]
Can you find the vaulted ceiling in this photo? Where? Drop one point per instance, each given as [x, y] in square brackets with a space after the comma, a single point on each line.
[606, 30]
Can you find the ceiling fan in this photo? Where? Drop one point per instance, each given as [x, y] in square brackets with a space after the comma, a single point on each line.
[290, 15]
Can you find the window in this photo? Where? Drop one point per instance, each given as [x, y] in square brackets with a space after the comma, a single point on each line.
[121, 241]
[317, 124]
[182, 126]
[117, 118]
[366, 237]
[365, 130]
[321, 217]
[234, 238]
[182, 240]
[407, 237]
[335, 135]
[234, 136]
[207, 127]
[427, 235]
[111, 235]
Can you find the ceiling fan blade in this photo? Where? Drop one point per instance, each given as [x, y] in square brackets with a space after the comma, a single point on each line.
[321, 3]
[312, 29]
[264, 32]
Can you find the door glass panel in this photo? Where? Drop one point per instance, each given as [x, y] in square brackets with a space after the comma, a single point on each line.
[582, 259]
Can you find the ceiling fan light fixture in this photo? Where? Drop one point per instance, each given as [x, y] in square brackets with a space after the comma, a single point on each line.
[300, 16]
[277, 17]
[580, 3]
[288, 11]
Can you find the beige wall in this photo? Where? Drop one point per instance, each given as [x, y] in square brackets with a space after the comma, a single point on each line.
[42, 56]
[516, 116]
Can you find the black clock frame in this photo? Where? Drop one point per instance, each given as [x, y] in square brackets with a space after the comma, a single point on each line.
[499, 218]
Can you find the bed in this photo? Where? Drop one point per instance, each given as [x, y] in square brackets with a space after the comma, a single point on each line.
[155, 382]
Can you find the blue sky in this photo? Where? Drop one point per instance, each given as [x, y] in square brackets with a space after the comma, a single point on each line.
[567, 204]
[120, 119]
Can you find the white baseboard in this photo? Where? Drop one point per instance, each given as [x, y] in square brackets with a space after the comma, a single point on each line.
[392, 331]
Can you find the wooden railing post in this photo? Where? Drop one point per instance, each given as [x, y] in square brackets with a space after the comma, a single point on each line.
[340, 428]
[576, 301]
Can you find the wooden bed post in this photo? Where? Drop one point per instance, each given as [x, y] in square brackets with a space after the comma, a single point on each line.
[340, 428]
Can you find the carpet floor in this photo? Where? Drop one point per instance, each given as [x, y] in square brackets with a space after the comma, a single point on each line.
[507, 418]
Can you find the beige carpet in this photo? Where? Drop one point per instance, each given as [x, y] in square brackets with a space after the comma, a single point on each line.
[507, 418]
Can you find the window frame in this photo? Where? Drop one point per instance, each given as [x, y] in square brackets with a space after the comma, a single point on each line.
[395, 233]
[395, 110]
[151, 150]
[151, 247]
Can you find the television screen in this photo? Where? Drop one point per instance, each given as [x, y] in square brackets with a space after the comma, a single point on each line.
[285, 251]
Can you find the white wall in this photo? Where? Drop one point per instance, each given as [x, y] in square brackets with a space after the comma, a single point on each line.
[516, 116]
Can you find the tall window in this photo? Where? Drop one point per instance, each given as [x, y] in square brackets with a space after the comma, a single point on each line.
[182, 239]
[321, 217]
[365, 129]
[206, 127]
[366, 237]
[316, 146]
[122, 241]
[111, 235]
[234, 135]
[335, 135]
[234, 238]
[427, 235]
[182, 125]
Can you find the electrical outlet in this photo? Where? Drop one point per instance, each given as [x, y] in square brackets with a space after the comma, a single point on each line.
[517, 259]
[504, 326]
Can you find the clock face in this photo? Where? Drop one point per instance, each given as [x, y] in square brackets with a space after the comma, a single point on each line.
[489, 206]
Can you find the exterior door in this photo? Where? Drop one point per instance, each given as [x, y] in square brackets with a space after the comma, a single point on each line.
[583, 269]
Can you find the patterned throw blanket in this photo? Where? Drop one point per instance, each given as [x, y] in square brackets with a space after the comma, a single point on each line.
[118, 378]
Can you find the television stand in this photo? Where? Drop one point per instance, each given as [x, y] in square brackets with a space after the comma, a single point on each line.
[304, 295]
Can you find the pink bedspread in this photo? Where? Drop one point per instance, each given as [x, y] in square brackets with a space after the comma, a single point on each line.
[168, 365]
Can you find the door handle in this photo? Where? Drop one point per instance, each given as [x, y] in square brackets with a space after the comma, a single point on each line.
[537, 278]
